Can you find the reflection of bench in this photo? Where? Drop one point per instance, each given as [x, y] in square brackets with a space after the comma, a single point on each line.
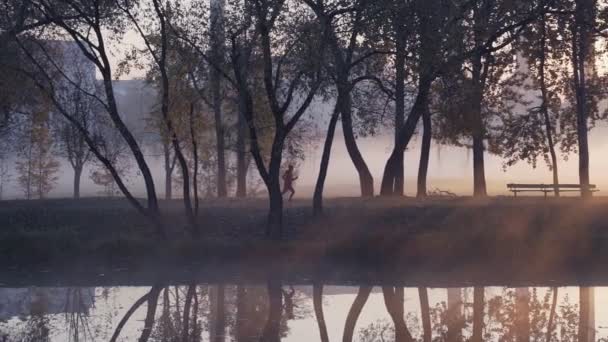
[548, 188]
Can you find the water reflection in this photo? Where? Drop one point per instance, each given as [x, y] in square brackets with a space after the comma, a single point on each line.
[277, 311]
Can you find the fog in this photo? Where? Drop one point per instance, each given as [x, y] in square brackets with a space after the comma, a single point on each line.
[450, 167]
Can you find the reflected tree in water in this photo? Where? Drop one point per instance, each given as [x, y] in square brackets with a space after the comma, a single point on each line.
[77, 315]
[394, 301]
[354, 312]
[317, 298]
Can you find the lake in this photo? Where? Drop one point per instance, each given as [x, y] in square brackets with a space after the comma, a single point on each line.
[299, 310]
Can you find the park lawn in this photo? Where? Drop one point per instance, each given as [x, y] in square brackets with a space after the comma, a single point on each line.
[506, 237]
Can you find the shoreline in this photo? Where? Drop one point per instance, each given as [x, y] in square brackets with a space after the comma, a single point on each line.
[463, 239]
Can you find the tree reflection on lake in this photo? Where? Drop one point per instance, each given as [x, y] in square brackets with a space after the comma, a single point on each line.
[280, 311]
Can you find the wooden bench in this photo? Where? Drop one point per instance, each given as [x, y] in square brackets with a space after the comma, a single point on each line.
[548, 188]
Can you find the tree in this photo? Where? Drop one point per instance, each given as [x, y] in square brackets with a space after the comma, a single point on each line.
[83, 108]
[535, 133]
[354, 312]
[434, 30]
[351, 46]
[393, 299]
[216, 53]
[581, 29]
[91, 25]
[37, 168]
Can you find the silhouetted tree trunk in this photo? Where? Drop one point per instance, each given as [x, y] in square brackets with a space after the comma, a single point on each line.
[478, 314]
[241, 157]
[478, 130]
[400, 55]
[77, 175]
[365, 176]
[194, 161]
[425, 313]
[317, 298]
[169, 166]
[275, 215]
[425, 151]
[272, 330]
[550, 323]
[581, 45]
[343, 66]
[217, 54]
[354, 312]
[317, 201]
[391, 168]
[394, 301]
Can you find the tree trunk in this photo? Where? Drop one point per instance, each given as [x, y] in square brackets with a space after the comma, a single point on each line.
[391, 168]
[241, 157]
[241, 314]
[354, 312]
[168, 171]
[152, 210]
[522, 314]
[194, 161]
[150, 314]
[216, 18]
[77, 174]
[580, 49]
[477, 129]
[544, 106]
[365, 177]
[425, 313]
[478, 314]
[222, 189]
[317, 296]
[550, 323]
[400, 55]
[586, 327]
[131, 311]
[272, 329]
[455, 319]
[217, 324]
[479, 177]
[275, 214]
[425, 151]
[399, 186]
[186, 316]
[394, 301]
[317, 201]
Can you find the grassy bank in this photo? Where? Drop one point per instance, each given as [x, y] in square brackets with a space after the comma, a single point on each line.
[501, 237]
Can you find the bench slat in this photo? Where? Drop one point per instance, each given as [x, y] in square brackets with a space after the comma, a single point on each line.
[549, 186]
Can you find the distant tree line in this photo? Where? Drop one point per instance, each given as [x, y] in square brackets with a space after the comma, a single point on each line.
[236, 80]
